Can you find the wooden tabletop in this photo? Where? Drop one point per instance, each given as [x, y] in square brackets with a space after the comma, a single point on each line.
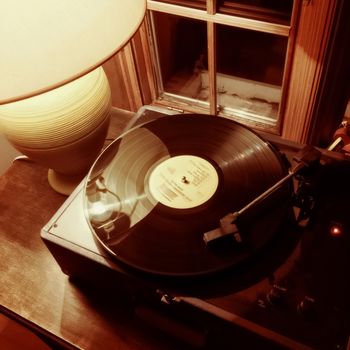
[33, 289]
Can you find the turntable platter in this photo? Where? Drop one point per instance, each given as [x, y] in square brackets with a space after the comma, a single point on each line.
[154, 192]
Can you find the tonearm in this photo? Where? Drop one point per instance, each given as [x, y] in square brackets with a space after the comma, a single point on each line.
[228, 224]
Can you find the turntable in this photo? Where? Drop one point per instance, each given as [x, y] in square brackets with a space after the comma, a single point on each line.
[194, 221]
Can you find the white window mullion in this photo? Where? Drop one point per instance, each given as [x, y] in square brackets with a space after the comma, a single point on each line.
[211, 37]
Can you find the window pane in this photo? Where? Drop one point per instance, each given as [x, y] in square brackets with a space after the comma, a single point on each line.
[267, 10]
[182, 53]
[250, 71]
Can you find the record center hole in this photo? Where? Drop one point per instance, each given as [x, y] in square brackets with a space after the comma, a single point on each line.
[185, 180]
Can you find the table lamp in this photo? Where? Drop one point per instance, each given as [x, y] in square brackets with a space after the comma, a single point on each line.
[54, 95]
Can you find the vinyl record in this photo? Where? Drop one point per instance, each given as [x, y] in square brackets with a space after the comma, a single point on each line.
[155, 191]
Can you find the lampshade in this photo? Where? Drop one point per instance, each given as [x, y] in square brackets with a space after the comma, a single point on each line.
[46, 112]
[47, 43]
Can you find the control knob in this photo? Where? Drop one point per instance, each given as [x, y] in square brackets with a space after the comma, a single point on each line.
[276, 295]
[306, 307]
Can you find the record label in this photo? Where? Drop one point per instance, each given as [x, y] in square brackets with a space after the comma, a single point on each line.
[183, 182]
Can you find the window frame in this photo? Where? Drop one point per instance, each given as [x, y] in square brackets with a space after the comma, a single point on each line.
[213, 18]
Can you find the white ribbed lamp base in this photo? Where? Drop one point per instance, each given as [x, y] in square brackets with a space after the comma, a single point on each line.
[63, 129]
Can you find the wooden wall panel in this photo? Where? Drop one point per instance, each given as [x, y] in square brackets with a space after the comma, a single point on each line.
[129, 72]
[309, 57]
[117, 83]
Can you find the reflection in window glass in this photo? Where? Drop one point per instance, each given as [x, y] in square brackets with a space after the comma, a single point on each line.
[250, 69]
[182, 53]
[249, 66]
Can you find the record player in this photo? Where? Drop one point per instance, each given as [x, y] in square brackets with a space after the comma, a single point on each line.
[189, 220]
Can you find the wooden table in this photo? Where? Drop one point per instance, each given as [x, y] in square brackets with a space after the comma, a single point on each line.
[33, 289]
[36, 293]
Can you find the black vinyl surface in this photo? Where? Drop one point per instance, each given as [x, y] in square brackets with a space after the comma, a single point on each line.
[155, 238]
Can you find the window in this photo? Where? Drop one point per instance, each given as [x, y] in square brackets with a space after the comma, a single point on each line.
[225, 57]
[195, 55]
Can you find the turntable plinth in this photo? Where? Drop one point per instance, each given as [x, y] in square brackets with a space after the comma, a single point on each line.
[263, 300]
